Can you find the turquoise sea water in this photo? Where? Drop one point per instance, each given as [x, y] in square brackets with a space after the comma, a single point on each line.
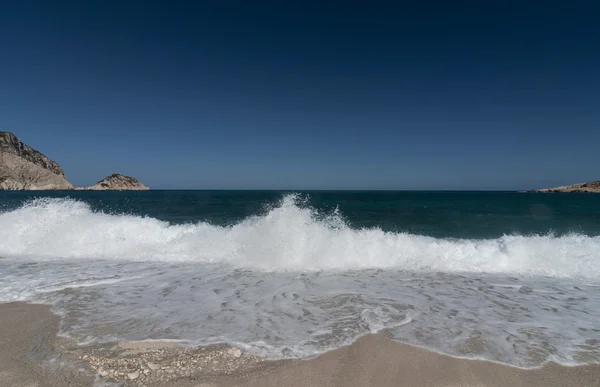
[506, 276]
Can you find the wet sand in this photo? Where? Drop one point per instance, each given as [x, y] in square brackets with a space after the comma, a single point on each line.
[27, 330]
[28, 336]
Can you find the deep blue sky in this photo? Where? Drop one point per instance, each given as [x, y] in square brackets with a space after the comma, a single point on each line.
[298, 94]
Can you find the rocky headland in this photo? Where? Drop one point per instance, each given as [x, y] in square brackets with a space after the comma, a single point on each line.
[593, 187]
[24, 168]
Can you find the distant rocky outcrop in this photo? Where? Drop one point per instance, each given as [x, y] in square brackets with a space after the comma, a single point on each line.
[24, 168]
[593, 186]
[118, 182]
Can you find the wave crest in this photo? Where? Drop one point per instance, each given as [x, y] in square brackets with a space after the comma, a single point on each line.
[289, 236]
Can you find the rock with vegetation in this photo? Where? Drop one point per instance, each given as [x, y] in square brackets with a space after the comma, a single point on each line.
[24, 168]
[593, 186]
[118, 182]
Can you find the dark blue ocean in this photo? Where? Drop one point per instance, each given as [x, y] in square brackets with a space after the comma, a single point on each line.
[433, 213]
[506, 276]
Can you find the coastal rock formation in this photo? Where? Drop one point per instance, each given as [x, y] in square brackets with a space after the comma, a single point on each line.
[593, 186]
[118, 182]
[24, 168]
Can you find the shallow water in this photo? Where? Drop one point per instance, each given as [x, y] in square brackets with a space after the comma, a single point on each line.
[299, 276]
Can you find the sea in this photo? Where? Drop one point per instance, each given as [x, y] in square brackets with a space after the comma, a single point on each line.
[509, 277]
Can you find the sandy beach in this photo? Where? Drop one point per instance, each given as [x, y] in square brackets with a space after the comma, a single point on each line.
[33, 356]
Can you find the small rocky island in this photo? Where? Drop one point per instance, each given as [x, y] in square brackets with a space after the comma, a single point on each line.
[24, 168]
[593, 187]
[118, 182]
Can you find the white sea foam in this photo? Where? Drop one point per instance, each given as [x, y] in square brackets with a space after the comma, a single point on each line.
[292, 282]
[288, 237]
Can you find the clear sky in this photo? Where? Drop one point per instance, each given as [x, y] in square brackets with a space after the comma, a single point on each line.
[307, 95]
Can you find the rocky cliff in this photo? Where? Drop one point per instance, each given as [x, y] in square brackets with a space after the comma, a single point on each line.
[593, 186]
[117, 182]
[24, 168]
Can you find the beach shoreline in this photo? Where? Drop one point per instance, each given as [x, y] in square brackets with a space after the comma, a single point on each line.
[33, 355]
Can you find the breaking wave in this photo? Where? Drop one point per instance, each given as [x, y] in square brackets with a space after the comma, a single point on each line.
[289, 236]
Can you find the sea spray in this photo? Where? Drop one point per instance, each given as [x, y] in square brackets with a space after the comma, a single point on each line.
[288, 236]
